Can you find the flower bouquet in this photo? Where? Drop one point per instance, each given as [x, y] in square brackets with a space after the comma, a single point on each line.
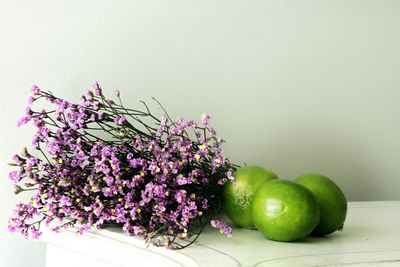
[97, 162]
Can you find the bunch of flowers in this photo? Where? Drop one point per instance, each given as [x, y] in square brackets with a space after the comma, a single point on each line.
[101, 163]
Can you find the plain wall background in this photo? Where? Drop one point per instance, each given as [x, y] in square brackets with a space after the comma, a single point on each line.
[294, 86]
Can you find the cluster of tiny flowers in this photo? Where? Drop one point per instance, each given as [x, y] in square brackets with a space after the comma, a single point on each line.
[101, 163]
[223, 227]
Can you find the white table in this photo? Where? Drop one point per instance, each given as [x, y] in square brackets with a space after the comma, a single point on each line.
[371, 236]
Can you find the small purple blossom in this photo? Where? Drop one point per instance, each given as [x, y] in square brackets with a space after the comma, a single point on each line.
[96, 89]
[119, 120]
[224, 228]
[100, 115]
[35, 90]
[31, 100]
[163, 124]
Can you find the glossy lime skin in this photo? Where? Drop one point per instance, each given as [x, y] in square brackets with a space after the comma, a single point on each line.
[237, 198]
[331, 200]
[284, 210]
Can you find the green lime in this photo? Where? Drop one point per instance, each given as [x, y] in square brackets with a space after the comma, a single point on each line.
[331, 200]
[237, 197]
[284, 210]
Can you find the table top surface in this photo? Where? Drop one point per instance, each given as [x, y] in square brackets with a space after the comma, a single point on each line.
[371, 236]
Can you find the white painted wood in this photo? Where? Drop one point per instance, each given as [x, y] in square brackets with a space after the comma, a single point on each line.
[371, 237]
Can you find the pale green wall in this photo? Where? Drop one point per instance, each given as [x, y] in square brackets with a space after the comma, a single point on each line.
[295, 86]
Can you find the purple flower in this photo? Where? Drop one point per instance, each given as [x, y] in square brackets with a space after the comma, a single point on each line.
[119, 120]
[230, 177]
[96, 89]
[31, 100]
[154, 178]
[180, 196]
[164, 121]
[222, 181]
[205, 119]
[18, 160]
[35, 90]
[100, 115]
[14, 176]
[24, 120]
[224, 228]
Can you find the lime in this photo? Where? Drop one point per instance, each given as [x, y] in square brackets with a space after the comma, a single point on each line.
[284, 210]
[331, 200]
[236, 198]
